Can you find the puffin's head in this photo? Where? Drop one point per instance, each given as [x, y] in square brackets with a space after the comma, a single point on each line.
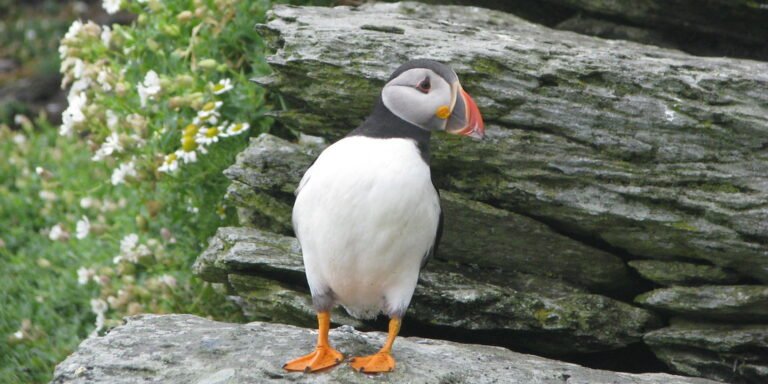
[428, 94]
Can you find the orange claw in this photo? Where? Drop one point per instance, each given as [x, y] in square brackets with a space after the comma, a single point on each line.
[381, 361]
[324, 355]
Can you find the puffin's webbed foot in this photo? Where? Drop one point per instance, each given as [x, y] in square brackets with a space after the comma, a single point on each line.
[324, 355]
[376, 363]
[381, 361]
[321, 358]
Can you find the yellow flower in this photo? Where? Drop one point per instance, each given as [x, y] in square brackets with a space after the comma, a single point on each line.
[190, 130]
[188, 143]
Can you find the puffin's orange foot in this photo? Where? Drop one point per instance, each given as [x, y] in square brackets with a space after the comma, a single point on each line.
[376, 363]
[321, 358]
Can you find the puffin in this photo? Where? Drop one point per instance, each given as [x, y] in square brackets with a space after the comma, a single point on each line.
[367, 214]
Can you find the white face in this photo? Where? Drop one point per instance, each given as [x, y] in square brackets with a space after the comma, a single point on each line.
[416, 96]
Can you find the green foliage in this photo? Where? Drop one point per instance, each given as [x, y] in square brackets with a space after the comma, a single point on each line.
[102, 217]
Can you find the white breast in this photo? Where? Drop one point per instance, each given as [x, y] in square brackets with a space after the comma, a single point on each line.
[366, 213]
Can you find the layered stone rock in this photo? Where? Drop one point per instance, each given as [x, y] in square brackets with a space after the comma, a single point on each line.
[190, 349]
[639, 149]
[682, 273]
[738, 303]
[598, 152]
[735, 353]
[710, 28]
[266, 271]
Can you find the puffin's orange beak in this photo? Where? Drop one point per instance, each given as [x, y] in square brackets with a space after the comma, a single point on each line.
[465, 118]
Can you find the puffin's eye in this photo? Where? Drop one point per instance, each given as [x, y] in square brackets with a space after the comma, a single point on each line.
[424, 85]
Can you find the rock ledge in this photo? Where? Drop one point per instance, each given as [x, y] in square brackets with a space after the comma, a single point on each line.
[190, 349]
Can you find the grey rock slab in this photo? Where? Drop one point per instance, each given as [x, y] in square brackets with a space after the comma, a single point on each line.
[267, 272]
[190, 349]
[727, 302]
[710, 28]
[680, 273]
[743, 20]
[735, 353]
[647, 150]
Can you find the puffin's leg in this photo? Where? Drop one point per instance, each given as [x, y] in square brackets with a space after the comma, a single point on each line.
[324, 356]
[381, 361]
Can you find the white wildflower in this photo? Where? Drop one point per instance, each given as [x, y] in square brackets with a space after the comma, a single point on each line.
[19, 139]
[222, 86]
[137, 140]
[78, 69]
[131, 250]
[80, 85]
[21, 120]
[111, 6]
[83, 228]
[209, 109]
[73, 114]
[99, 307]
[58, 233]
[84, 275]
[63, 54]
[149, 88]
[88, 202]
[142, 251]
[103, 79]
[39, 171]
[123, 171]
[211, 119]
[106, 32]
[47, 195]
[18, 335]
[192, 209]
[110, 146]
[187, 156]
[170, 163]
[236, 129]
[207, 136]
[129, 242]
[74, 29]
[112, 119]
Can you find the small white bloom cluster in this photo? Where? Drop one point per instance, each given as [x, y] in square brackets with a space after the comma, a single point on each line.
[99, 307]
[122, 171]
[89, 79]
[58, 233]
[205, 129]
[149, 88]
[131, 250]
[83, 227]
[80, 74]
[111, 6]
[84, 275]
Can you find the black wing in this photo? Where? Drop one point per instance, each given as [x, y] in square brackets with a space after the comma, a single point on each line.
[433, 250]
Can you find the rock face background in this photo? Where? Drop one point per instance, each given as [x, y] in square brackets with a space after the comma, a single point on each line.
[616, 215]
